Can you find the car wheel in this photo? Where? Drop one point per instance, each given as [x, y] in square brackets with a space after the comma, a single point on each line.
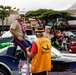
[3, 72]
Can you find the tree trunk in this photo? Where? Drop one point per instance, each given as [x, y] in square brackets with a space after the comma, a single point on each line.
[2, 25]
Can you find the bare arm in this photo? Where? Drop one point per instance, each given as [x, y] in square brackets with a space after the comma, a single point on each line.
[30, 54]
[15, 34]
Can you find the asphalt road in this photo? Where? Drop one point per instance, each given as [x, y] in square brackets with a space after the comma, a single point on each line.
[57, 73]
[61, 73]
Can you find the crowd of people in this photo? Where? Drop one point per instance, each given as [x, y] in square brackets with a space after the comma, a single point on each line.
[61, 41]
[58, 38]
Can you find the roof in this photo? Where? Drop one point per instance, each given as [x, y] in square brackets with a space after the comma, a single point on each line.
[13, 12]
[70, 11]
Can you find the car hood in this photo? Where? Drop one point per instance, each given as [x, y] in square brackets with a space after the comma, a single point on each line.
[65, 59]
[62, 59]
[7, 34]
[70, 56]
[63, 56]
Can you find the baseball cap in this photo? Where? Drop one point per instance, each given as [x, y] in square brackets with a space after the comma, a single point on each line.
[21, 13]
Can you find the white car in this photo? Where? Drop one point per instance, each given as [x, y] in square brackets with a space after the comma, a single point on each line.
[57, 54]
[6, 34]
[69, 33]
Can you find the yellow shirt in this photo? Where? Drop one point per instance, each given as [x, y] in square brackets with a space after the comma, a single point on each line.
[42, 60]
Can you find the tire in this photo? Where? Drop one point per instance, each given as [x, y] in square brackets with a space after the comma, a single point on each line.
[3, 71]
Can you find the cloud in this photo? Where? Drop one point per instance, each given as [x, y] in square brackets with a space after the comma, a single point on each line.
[37, 4]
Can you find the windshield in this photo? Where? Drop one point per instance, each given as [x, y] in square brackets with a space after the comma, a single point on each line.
[6, 34]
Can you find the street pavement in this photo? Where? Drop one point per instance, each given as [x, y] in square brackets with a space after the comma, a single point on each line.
[61, 73]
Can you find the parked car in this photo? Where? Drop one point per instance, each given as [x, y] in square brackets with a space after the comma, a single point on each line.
[63, 54]
[10, 57]
[69, 33]
[63, 61]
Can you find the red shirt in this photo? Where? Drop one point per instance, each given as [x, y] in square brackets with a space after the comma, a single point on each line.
[34, 48]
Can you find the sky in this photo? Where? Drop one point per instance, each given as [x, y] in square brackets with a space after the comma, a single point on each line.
[38, 4]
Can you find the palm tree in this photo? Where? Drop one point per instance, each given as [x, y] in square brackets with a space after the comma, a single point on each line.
[4, 12]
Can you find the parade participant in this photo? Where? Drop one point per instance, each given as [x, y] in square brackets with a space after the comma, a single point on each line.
[40, 53]
[18, 30]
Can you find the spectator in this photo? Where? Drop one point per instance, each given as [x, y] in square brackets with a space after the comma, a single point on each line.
[47, 32]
